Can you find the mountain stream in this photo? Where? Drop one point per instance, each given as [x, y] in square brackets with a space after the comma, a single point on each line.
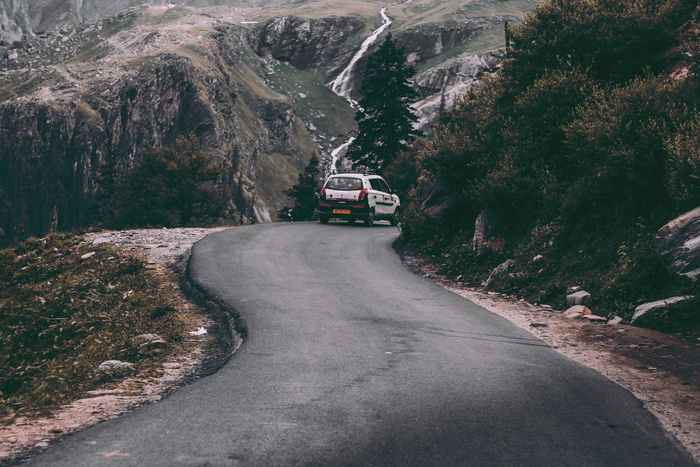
[342, 84]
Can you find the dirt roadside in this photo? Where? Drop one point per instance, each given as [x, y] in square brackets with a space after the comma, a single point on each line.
[25, 435]
[662, 371]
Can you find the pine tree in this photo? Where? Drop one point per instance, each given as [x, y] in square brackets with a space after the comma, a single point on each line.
[385, 120]
[304, 194]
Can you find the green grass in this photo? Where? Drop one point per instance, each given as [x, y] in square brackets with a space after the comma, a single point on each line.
[328, 112]
[62, 315]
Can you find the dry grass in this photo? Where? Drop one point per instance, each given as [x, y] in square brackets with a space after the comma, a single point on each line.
[67, 305]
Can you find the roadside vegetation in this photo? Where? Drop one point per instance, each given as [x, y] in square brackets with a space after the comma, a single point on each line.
[175, 186]
[304, 194]
[66, 306]
[575, 153]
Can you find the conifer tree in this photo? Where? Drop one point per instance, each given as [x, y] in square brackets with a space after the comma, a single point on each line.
[385, 120]
[167, 187]
[304, 194]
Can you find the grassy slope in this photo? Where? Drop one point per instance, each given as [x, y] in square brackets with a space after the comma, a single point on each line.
[61, 315]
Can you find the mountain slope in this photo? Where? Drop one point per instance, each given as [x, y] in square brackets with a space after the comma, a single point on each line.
[249, 82]
[142, 79]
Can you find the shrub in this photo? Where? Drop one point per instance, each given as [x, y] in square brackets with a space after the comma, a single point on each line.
[167, 187]
[304, 194]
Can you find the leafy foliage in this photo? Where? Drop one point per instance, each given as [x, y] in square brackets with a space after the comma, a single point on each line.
[583, 145]
[385, 120]
[304, 194]
[167, 187]
[61, 315]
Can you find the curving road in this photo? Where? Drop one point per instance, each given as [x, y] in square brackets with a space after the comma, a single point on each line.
[353, 360]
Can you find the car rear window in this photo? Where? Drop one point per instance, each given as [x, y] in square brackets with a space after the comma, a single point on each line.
[344, 183]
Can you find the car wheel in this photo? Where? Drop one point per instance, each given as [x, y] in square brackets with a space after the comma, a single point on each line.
[369, 220]
[351, 220]
[324, 219]
[394, 220]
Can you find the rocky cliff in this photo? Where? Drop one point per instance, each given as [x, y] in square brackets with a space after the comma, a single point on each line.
[440, 86]
[316, 45]
[14, 19]
[328, 45]
[431, 40]
[136, 82]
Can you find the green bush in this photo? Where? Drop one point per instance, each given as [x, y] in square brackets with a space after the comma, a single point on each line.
[304, 193]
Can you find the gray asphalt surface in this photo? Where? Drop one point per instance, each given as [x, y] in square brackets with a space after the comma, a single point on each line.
[353, 360]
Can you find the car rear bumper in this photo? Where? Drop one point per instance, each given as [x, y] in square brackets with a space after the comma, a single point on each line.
[342, 209]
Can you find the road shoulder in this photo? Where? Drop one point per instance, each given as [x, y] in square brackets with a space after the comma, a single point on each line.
[660, 370]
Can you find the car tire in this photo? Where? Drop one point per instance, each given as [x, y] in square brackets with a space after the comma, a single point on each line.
[394, 220]
[369, 220]
[324, 219]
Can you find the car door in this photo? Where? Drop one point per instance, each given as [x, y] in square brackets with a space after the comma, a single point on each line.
[389, 200]
[377, 197]
[382, 197]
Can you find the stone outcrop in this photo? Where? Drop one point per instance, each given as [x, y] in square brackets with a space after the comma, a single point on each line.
[499, 273]
[577, 311]
[579, 298]
[678, 244]
[645, 313]
[440, 86]
[307, 44]
[463, 73]
[431, 40]
[14, 20]
[114, 365]
[482, 231]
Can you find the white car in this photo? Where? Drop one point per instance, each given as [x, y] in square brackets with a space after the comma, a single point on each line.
[353, 196]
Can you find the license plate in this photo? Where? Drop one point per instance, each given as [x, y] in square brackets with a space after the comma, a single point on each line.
[341, 211]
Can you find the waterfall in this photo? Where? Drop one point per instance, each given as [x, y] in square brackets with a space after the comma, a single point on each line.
[335, 153]
[341, 85]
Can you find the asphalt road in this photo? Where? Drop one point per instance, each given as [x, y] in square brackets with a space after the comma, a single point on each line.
[353, 360]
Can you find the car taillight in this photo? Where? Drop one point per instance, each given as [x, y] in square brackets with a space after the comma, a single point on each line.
[363, 194]
[323, 193]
